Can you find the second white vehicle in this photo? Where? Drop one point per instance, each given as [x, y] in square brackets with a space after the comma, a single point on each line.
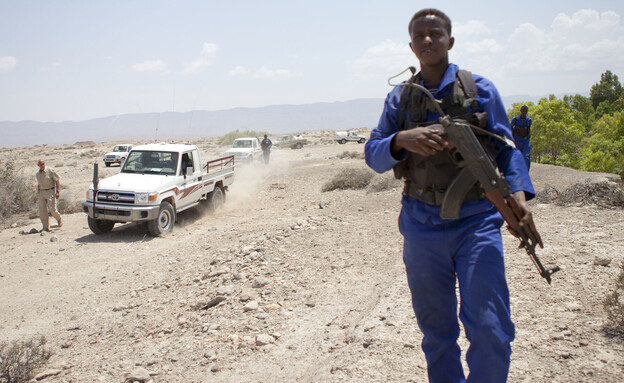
[245, 150]
[118, 155]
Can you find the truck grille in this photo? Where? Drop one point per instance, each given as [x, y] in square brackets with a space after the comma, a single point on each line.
[118, 197]
[111, 157]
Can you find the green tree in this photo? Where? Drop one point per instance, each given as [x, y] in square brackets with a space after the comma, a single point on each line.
[582, 110]
[609, 89]
[555, 134]
[605, 150]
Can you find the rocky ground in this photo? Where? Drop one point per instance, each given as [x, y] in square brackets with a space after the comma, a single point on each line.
[287, 283]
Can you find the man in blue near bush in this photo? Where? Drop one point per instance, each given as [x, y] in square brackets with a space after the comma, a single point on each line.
[521, 127]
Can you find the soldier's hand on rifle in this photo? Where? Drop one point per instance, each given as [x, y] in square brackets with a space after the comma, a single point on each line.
[423, 140]
[525, 216]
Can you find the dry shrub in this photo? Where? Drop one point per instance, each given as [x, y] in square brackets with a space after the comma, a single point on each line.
[67, 205]
[90, 153]
[614, 303]
[17, 195]
[348, 155]
[603, 194]
[355, 179]
[19, 359]
[384, 182]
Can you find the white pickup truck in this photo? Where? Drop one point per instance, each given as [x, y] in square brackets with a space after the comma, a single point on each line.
[118, 155]
[245, 150]
[344, 137]
[156, 182]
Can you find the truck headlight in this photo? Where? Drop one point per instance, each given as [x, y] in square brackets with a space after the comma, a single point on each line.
[90, 195]
[141, 197]
[145, 197]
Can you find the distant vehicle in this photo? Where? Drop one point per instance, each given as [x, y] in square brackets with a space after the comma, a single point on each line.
[245, 150]
[156, 182]
[118, 155]
[343, 137]
[290, 141]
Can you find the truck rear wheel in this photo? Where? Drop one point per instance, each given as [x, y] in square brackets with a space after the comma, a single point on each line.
[163, 224]
[298, 145]
[99, 226]
[216, 199]
[342, 141]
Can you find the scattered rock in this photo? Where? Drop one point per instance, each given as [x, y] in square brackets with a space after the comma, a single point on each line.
[251, 306]
[215, 368]
[47, 374]
[602, 261]
[259, 283]
[138, 375]
[213, 302]
[323, 204]
[271, 307]
[310, 303]
[54, 238]
[264, 339]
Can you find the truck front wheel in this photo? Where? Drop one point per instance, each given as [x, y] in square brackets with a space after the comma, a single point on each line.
[99, 226]
[163, 224]
[362, 140]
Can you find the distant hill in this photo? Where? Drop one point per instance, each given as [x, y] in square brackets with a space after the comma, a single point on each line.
[274, 119]
[188, 125]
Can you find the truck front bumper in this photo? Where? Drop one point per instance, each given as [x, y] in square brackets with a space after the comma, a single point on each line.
[121, 213]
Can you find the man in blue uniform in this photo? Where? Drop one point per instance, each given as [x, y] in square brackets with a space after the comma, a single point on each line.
[521, 127]
[438, 252]
[266, 145]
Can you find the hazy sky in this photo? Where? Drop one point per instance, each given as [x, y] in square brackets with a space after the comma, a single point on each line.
[75, 60]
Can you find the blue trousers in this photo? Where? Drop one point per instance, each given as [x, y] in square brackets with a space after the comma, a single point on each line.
[524, 145]
[469, 251]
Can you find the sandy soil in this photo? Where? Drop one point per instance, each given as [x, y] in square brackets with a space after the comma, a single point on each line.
[310, 294]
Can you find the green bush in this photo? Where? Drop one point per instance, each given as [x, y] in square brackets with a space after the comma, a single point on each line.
[614, 303]
[231, 136]
[19, 359]
[17, 195]
[349, 179]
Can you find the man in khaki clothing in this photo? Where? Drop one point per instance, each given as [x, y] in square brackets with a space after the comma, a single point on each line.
[47, 191]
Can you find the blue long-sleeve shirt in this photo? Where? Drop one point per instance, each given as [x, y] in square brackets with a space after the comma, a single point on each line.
[509, 160]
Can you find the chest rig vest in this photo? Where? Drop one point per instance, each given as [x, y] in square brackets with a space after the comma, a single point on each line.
[521, 127]
[427, 178]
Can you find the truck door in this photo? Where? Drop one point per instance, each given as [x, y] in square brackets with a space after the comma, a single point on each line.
[192, 186]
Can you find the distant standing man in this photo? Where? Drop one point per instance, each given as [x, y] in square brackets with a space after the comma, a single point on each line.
[48, 187]
[521, 126]
[266, 149]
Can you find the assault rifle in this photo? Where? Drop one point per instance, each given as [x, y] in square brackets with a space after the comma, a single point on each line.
[476, 166]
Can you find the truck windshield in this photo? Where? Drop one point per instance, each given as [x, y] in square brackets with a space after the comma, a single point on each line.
[150, 162]
[120, 149]
[242, 144]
